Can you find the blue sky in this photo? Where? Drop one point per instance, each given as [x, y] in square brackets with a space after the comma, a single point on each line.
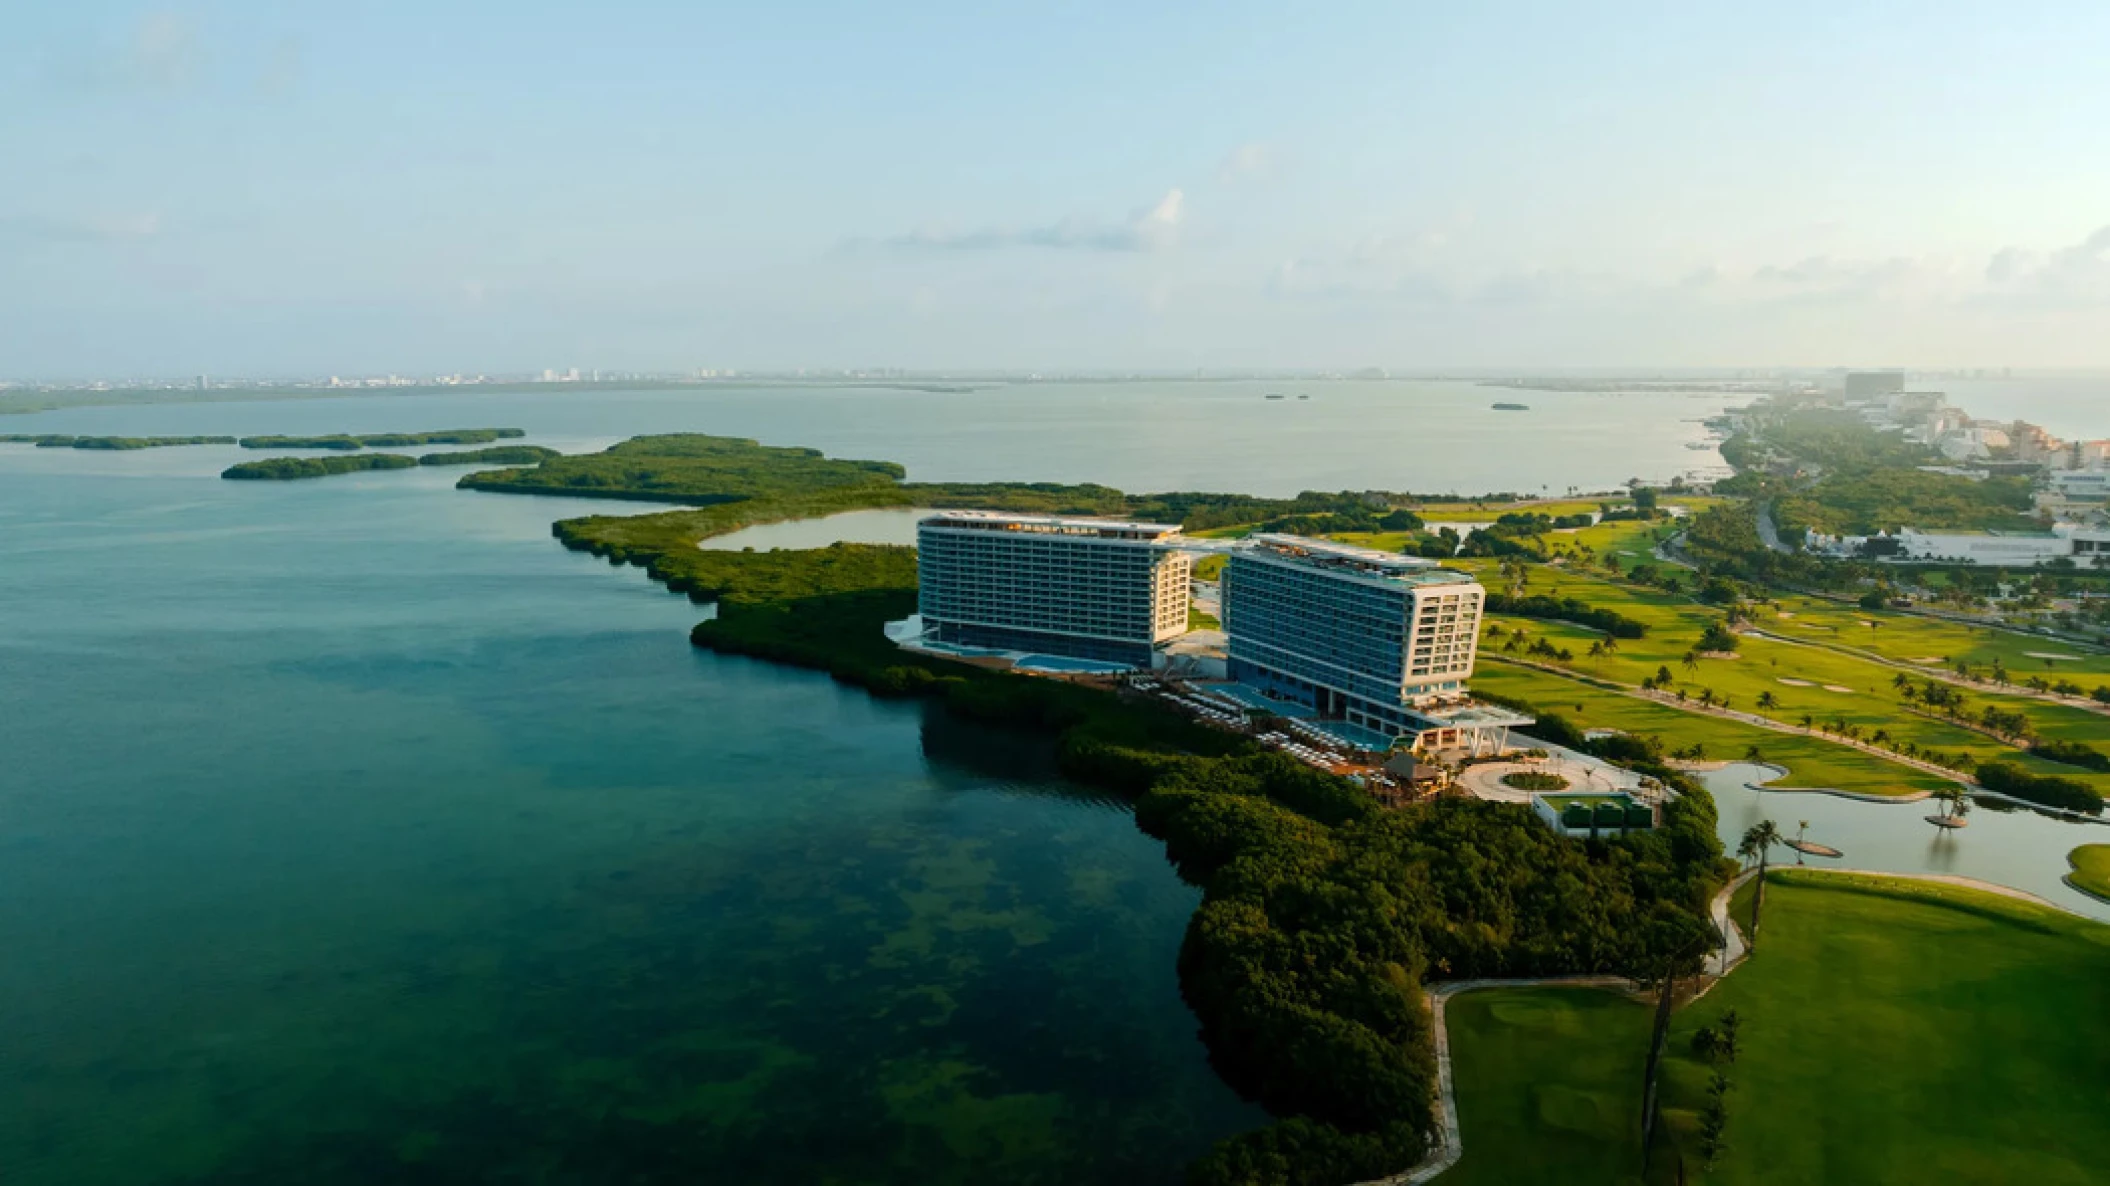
[241, 187]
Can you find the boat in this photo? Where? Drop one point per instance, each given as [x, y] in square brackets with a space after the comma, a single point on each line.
[1273, 395]
[1512, 407]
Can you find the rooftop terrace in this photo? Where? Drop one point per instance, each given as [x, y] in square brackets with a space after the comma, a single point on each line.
[1051, 525]
[1368, 562]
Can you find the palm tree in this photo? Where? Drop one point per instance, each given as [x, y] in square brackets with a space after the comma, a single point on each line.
[1801, 826]
[1900, 681]
[1768, 700]
[1663, 675]
[1807, 721]
[1692, 660]
[1758, 843]
[1955, 801]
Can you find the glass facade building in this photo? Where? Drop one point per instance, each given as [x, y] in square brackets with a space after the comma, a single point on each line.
[1089, 588]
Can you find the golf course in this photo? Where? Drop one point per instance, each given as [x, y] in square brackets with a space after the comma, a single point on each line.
[2091, 870]
[1890, 1031]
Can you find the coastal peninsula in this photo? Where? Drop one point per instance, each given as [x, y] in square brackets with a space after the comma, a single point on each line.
[1228, 811]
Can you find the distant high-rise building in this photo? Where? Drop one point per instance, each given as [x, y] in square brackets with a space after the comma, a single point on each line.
[201, 383]
[1871, 385]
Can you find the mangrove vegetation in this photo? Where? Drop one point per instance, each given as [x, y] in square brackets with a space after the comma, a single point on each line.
[346, 443]
[287, 469]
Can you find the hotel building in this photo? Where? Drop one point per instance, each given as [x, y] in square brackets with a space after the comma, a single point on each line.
[1097, 589]
[1378, 642]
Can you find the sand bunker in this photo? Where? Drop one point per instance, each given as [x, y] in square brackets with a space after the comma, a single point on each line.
[1784, 614]
[2054, 656]
[1837, 688]
[1935, 659]
[1797, 683]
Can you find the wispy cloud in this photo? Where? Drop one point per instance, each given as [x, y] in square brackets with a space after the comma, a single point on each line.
[1253, 159]
[2075, 275]
[169, 56]
[1154, 228]
[105, 229]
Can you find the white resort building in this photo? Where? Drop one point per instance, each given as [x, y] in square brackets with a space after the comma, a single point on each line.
[1377, 644]
[1095, 589]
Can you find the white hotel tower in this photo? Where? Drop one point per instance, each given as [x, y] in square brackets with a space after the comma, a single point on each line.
[1096, 589]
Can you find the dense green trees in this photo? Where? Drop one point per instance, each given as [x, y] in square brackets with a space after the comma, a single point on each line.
[495, 455]
[1863, 502]
[2047, 789]
[345, 443]
[285, 469]
[2072, 753]
[63, 441]
[1566, 609]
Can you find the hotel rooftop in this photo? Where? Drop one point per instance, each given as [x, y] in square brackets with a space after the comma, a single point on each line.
[1053, 525]
[1327, 556]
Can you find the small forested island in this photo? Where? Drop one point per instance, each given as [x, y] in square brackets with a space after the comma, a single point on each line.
[496, 455]
[1512, 407]
[62, 441]
[288, 469]
[344, 442]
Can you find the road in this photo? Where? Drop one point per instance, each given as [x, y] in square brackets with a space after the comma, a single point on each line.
[1768, 532]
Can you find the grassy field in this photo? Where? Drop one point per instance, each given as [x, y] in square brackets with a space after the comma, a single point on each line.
[1898, 1032]
[1892, 1032]
[1780, 680]
[1811, 761]
[2091, 869]
[1546, 1080]
[1909, 638]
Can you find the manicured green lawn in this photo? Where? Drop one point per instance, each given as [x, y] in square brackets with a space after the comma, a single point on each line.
[1547, 1082]
[2091, 869]
[1827, 685]
[1893, 1034]
[1811, 761]
[1910, 638]
[1898, 1032]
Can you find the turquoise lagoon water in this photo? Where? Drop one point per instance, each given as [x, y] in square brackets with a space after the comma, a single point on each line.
[352, 831]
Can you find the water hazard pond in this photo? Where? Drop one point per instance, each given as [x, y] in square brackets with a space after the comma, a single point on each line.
[2015, 847]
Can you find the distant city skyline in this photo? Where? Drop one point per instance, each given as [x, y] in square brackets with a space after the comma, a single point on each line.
[234, 188]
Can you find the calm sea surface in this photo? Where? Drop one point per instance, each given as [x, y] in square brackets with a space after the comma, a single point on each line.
[1141, 437]
[351, 831]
